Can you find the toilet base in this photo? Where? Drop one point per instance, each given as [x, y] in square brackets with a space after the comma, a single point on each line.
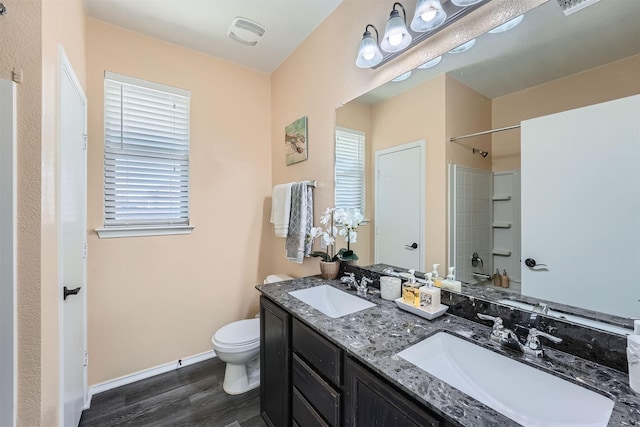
[241, 378]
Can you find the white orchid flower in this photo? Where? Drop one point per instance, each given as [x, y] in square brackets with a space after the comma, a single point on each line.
[353, 236]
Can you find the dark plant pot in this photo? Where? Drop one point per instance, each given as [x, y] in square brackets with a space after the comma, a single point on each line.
[329, 270]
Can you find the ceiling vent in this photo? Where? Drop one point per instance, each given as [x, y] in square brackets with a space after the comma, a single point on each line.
[246, 31]
[572, 6]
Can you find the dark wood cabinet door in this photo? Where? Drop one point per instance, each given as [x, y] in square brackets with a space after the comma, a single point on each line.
[275, 364]
[371, 402]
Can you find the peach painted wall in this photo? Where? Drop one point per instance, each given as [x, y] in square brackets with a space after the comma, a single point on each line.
[320, 75]
[608, 82]
[357, 116]
[467, 112]
[21, 49]
[153, 300]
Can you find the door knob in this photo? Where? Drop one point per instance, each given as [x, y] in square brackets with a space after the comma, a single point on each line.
[67, 292]
[414, 245]
[530, 262]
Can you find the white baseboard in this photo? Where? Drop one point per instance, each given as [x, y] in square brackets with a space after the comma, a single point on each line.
[148, 373]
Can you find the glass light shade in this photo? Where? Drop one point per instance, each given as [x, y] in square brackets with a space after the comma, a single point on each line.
[507, 25]
[396, 35]
[463, 47]
[430, 64]
[429, 16]
[369, 54]
[402, 77]
[465, 3]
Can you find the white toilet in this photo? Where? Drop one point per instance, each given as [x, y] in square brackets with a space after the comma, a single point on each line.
[238, 345]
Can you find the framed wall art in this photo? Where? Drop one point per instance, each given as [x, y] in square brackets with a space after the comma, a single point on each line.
[295, 139]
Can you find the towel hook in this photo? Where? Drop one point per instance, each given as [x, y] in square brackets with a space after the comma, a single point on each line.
[3, 9]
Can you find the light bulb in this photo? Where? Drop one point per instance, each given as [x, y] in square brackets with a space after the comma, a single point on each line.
[429, 15]
[395, 39]
[368, 55]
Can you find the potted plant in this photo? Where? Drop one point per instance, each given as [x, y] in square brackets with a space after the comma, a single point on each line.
[348, 221]
[329, 263]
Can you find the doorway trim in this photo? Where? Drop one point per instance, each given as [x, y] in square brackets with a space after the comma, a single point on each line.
[66, 69]
[407, 146]
[8, 217]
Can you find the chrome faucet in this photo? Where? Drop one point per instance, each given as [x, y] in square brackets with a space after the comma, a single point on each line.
[507, 338]
[362, 287]
[350, 280]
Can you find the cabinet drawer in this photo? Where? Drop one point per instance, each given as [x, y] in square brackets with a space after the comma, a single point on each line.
[303, 412]
[317, 351]
[322, 397]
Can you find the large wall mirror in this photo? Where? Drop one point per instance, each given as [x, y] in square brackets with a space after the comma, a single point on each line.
[472, 190]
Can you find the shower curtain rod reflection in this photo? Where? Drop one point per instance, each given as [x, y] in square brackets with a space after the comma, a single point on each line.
[456, 138]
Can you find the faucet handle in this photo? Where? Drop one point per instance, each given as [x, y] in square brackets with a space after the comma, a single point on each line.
[534, 343]
[495, 319]
[365, 281]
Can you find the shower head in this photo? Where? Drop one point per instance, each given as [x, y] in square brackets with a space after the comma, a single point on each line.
[481, 152]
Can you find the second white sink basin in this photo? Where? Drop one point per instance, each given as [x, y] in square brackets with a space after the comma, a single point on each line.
[331, 301]
[525, 394]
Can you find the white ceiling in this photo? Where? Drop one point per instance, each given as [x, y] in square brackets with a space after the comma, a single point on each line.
[202, 24]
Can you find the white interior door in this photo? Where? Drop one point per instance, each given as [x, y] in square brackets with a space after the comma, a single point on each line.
[399, 206]
[72, 209]
[580, 192]
[7, 253]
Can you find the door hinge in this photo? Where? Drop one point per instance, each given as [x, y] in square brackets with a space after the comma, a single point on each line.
[85, 250]
[86, 358]
[85, 139]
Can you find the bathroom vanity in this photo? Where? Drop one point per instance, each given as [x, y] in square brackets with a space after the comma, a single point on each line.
[317, 370]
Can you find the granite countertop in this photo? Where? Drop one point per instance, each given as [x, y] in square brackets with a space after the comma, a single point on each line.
[374, 336]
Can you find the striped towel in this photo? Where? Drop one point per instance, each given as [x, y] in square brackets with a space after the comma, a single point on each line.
[300, 222]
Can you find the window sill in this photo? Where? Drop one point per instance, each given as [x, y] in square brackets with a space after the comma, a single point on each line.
[114, 232]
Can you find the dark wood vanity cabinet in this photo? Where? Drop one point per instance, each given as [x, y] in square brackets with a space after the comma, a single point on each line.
[316, 378]
[307, 381]
[372, 402]
[275, 364]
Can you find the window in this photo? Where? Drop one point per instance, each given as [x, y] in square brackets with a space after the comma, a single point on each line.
[146, 158]
[349, 170]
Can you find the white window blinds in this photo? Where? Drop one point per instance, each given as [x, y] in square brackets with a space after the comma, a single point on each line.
[146, 153]
[349, 169]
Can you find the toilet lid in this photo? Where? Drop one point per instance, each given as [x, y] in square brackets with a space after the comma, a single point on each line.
[238, 333]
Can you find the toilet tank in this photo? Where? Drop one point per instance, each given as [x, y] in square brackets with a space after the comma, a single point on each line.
[273, 278]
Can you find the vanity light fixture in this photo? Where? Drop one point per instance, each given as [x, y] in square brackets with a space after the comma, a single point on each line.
[509, 25]
[463, 47]
[429, 64]
[402, 77]
[369, 54]
[429, 15]
[396, 35]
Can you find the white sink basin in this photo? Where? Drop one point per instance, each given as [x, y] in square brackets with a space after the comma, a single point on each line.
[331, 301]
[570, 317]
[525, 394]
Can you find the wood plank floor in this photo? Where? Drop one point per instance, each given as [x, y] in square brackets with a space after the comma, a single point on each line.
[189, 396]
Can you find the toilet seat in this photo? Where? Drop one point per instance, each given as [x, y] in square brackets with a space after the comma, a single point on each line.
[239, 334]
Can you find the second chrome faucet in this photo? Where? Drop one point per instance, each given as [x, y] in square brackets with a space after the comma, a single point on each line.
[508, 339]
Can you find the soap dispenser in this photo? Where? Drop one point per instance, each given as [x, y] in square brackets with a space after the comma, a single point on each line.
[437, 280]
[410, 289]
[429, 296]
[450, 283]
